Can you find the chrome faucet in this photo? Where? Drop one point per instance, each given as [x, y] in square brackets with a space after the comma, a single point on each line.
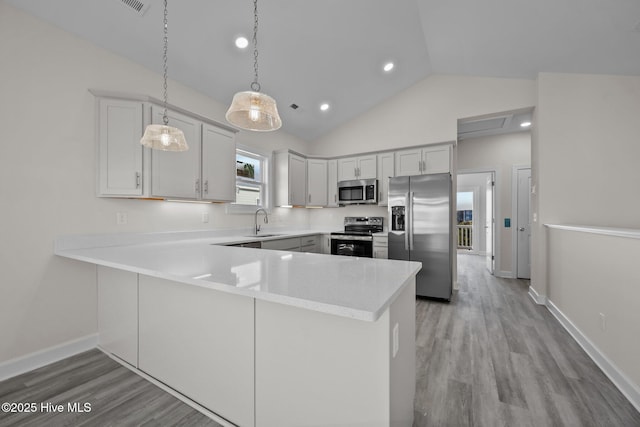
[256, 228]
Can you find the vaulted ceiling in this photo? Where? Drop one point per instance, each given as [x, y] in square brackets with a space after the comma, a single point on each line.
[333, 51]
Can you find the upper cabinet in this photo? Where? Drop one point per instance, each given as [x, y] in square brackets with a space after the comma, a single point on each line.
[362, 167]
[291, 179]
[386, 170]
[316, 182]
[218, 164]
[332, 183]
[120, 155]
[421, 161]
[176, 175]
[126, 169]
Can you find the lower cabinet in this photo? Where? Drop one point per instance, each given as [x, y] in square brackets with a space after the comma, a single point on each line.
[291, 244]
[118, 313]
[310, 244]
[380, 247]
[201, 343]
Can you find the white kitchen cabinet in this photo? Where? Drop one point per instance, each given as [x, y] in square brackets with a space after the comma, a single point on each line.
[425, 160]
[291, 244]
[316, 182]
[380, 246]
[218, 164]
[118, 313]
[332, 183]
[201, 343]
[362, 167]
[177, 174]
[120, 154]
[311, 244]
[291, 179]
[386, 169]
[326, 244]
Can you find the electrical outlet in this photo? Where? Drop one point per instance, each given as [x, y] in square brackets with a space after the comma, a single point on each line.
[205, 217]
[396, 338]
[603, 322]
[121, 218]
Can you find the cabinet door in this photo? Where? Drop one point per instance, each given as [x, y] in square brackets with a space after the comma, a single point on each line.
[347, 168]
[386, 169]
[408, 162]
[218, 164]
[367, 167]
[332, 183]
[118, 313]
[326, 244]
[200, 342]
[297, 180]
[436, 159]
[316, 182]
[120, 152]
[177, 174]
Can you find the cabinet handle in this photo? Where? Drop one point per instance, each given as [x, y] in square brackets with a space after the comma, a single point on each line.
[197, 186]
[206, 187]
[335, 198]
[309, 198]
[137, 179]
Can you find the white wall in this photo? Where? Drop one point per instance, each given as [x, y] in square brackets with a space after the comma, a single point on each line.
[47, 177]
[498, 153]
[426, 113]
[585, 157]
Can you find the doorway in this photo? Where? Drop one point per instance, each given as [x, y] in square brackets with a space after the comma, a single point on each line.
[475, 207]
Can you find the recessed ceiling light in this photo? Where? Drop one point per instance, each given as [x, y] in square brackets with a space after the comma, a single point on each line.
[242, 42]
[324, 107]
[388, 66]
[525, 124]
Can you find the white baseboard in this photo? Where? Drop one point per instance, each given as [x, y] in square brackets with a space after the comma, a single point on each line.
[35, 360]
[536, 297]
[504, 274]
[627, 387]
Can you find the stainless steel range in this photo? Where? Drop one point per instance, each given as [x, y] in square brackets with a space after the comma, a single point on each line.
[357, 238]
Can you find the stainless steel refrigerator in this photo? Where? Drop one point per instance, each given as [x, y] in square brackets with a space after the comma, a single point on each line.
[420, 229]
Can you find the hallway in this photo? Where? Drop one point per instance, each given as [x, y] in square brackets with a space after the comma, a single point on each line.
[494, 358]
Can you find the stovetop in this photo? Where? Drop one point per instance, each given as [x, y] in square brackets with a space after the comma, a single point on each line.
[361, 226]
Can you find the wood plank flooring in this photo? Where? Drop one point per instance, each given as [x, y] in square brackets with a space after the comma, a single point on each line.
[118, 397]
[492, 358]
[489, 358]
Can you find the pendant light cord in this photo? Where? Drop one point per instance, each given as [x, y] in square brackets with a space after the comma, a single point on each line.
[255, 86]
[165, 119]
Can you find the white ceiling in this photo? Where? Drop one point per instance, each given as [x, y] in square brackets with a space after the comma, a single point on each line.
[333, 50]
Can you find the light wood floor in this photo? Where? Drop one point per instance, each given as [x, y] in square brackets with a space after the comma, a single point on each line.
[492, 358]
[489, 358]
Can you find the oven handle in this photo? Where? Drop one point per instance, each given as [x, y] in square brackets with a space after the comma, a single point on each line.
[358, 238]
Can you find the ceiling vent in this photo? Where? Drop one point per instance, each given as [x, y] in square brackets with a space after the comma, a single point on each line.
[135, 5]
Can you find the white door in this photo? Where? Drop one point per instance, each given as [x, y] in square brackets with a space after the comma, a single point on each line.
[489, 221]
[524, 224]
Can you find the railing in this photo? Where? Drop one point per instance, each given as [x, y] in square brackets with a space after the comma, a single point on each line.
[465, 236]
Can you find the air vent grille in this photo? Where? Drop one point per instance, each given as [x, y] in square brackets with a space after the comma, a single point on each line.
[135, 5]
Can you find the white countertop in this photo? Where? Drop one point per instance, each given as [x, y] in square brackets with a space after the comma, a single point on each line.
[359, 288]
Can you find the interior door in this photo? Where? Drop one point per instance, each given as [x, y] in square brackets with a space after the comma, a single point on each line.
[524, 224]
[489, 221]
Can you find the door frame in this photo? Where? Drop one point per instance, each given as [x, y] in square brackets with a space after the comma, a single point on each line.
[496, 212]
[514, 219]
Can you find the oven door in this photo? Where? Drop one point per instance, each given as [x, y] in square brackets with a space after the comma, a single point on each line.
[361, 246]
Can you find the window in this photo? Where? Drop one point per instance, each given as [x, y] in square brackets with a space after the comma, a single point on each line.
[252, 189]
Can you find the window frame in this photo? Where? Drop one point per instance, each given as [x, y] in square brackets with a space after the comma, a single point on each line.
[265, 158]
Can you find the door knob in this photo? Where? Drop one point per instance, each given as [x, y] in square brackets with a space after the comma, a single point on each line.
[521, 229]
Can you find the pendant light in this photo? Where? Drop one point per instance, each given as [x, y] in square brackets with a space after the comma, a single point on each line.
[164, 137]
[254, 110]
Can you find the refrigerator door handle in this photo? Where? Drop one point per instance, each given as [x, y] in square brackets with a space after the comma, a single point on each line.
[407, 222]
[410, 220]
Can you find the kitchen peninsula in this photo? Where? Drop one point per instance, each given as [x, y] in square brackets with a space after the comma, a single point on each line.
[259, 337]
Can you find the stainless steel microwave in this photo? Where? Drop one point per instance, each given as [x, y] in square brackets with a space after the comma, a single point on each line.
[358, 192]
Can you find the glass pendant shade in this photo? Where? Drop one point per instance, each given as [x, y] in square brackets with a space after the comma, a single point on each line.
[255, 111]
[165, 138]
